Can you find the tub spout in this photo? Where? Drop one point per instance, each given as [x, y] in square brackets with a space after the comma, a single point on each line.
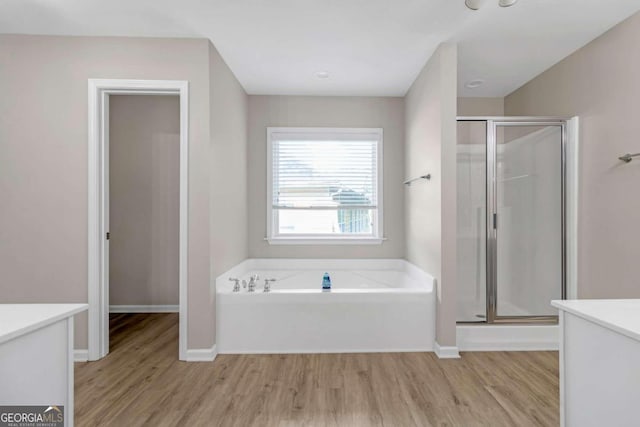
[252, 284]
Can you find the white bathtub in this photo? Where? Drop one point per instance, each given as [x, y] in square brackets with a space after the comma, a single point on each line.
[374, 306]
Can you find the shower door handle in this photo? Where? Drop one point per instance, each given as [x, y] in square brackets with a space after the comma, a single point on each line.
[495, 221]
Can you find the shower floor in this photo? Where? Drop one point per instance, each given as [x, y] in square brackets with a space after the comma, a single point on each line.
[475, 311]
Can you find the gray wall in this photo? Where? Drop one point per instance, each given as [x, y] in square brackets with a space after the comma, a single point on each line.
[600, 84]
[301, 111]
[144, 186]
[43, 149]
[431, 206]
[480, 106]
[228, 175]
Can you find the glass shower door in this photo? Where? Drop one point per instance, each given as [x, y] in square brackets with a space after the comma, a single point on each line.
[526, 223]
[471, 220]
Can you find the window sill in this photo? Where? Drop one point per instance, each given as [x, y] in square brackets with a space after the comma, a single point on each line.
[309, 241]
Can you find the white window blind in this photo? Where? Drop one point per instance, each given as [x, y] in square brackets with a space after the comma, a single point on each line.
[325, 182]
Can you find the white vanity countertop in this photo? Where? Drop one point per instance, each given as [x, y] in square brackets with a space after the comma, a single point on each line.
[20, 319]
[622, 316]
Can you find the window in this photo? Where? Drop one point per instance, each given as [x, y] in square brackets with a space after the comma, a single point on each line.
[324, 186]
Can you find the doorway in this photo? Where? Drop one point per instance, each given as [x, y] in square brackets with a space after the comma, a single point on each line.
[144, 178]
[100, 94]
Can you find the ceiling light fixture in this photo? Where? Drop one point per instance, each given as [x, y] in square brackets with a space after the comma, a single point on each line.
[473, 4]
[476, 4]
[473, 84]
[322, 74]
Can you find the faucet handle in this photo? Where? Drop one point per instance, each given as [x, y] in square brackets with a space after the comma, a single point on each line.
[236, 286]
[267, 284]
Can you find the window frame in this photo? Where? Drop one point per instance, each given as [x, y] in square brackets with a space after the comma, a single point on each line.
[275, 238]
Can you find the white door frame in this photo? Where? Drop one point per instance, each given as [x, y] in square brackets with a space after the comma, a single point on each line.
[98, 221]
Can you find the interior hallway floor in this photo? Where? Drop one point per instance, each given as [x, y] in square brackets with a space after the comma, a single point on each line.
[141, 382]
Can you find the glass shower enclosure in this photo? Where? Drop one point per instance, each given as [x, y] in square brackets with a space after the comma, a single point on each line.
[511, 218]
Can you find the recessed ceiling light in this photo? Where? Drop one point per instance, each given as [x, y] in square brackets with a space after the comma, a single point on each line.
[472, 84]
[507, 3]
[322, 74]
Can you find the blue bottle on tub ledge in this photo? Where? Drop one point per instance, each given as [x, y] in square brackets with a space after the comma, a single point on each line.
[326, 282]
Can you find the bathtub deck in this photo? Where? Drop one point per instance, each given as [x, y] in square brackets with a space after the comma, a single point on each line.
[141, 383]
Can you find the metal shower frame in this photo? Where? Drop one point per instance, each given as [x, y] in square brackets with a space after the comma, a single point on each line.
[492, 123]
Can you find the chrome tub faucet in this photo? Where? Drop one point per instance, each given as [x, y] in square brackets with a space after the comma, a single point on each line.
[253, 280]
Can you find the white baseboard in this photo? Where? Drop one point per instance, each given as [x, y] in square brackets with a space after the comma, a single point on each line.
[446, 352]
[332, 351]
[202, 354]
[507, 337]
[81, 355]
[144, 309]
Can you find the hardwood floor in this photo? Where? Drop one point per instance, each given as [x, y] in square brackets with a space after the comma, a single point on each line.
[141, 382]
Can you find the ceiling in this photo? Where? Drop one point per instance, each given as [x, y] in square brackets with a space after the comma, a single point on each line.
[368, 47]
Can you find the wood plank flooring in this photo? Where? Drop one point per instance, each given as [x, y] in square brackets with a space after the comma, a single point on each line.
[141, 383]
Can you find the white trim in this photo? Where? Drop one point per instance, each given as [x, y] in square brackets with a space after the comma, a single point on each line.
[144, 309]
[507, 337]
[70, 373]
[345, 133]
[336, 351]
[446, 352]
[81, 355]
[201, 354]
[562, 367]
[98, 94]
[325, 241]
[572, 199]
